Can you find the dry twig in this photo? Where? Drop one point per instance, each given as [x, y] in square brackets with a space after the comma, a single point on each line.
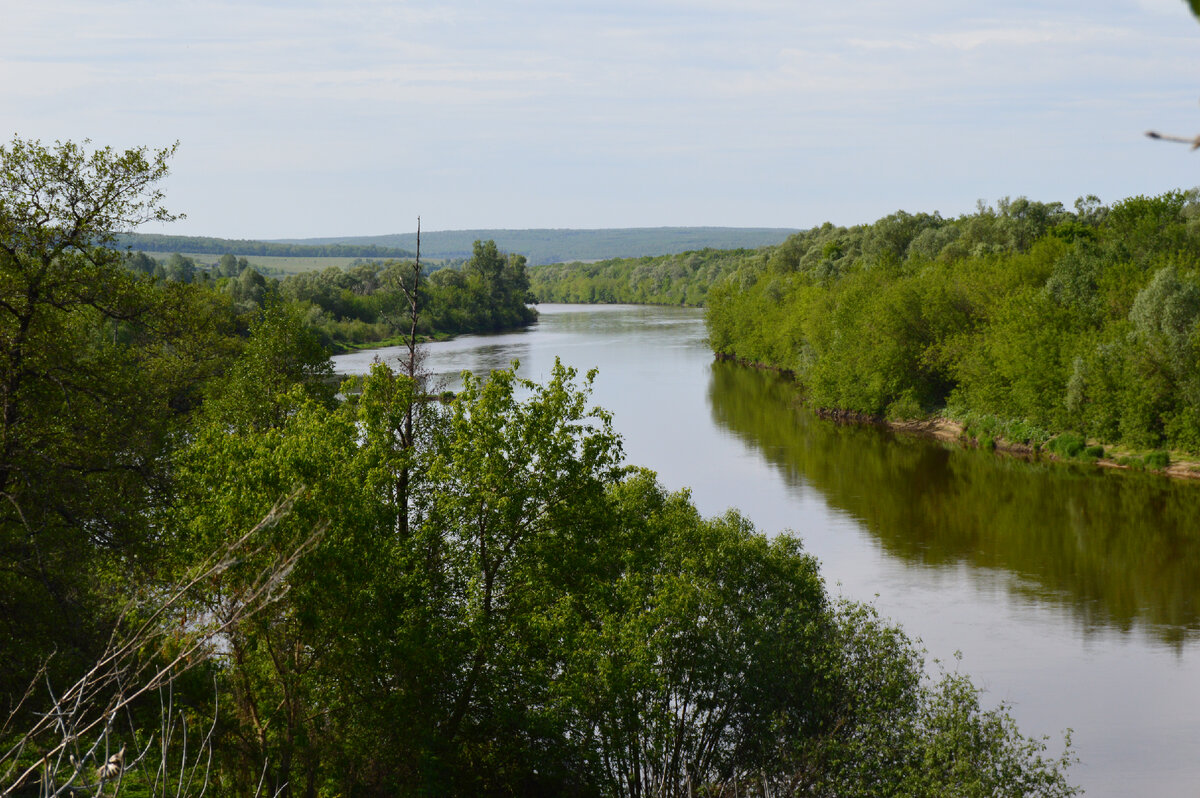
[79, 728]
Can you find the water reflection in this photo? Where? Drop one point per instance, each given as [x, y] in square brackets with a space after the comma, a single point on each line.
[1120, 550]
[479, 354]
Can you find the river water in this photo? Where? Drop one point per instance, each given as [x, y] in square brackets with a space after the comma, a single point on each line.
[1069, 592]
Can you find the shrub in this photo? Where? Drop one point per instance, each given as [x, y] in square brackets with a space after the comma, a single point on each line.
[1068, 445]
[1157, 460]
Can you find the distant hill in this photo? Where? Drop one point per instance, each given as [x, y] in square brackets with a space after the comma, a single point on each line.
[543, 246]
[202, 245]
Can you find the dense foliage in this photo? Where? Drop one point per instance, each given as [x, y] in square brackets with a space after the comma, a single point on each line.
[479, 597]
[367, 303]
[550, 622]
[1036, 318]
[99, 372]
[682, 279]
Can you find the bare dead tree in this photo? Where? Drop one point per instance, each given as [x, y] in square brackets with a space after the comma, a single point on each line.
[72, 747]
[411, 290]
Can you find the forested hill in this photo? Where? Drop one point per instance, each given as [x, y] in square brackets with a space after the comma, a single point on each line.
[204, 245]
[542, 246]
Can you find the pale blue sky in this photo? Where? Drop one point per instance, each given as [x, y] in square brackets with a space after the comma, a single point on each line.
[319, 118]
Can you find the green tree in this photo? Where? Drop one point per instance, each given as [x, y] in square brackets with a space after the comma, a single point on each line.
[498, 287]
[249, 290]
[516, 487]
[551, 622]
[281, 355]
[141, 263]
[97, 368]
[227, 266]
[179, 268]
[694, 666]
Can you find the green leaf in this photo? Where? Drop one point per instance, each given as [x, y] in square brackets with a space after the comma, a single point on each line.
[1195, 6]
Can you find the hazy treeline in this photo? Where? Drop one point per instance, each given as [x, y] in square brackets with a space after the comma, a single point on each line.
[1027, 317]
[682, 279]
[205, 245]
[544, 246]
[367, 303]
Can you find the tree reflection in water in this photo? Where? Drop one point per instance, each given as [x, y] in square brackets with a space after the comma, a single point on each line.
[1121, 549]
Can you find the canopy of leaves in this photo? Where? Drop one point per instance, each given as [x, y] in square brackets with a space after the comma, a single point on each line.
[551, 621]
[1043, 318]
[100, 370]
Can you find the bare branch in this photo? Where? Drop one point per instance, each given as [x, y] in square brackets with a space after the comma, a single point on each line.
[132, 666]
[1194, 140]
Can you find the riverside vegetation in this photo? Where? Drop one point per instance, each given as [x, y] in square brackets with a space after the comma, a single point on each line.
[682, 279]
[219, 574]
[1116, 551]
[367, 303]
[1026, 322]
[1023, 321]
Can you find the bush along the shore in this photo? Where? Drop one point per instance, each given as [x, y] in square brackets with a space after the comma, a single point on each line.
[1151, 461]
[1022, 322]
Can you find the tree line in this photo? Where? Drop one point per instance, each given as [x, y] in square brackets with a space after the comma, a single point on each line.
[1025, 319]
[365, 303]
[682, 279]
[545, 246]
[221, 572]
[207, 245]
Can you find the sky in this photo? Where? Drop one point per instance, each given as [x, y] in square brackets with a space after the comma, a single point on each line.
[313, 118]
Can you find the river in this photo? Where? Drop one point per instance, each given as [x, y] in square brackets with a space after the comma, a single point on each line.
[1069, 592]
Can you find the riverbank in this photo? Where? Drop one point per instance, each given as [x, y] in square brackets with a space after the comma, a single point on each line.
[1178, 466]
[950, 430]
[346, 347]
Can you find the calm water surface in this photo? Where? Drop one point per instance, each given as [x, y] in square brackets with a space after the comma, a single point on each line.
[1072, 593]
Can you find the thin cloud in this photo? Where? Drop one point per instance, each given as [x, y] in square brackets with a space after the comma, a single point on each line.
[580, 104]
[1020, 37]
